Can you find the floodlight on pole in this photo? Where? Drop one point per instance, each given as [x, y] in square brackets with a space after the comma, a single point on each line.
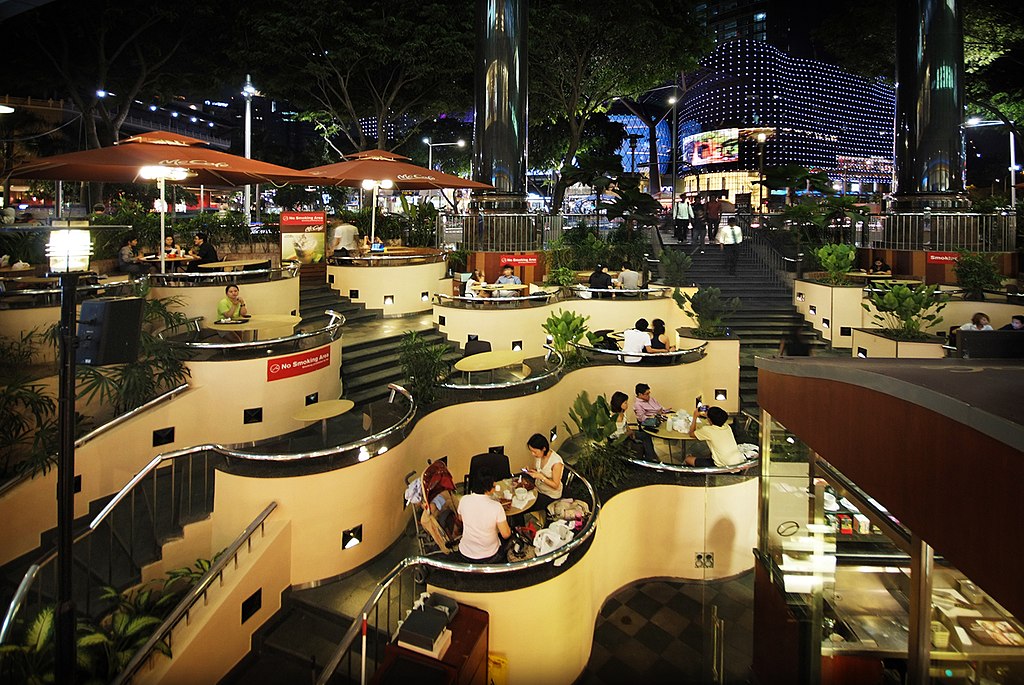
[6, 109]
[68, 252]
[975, 122]
[375, 186]
[248, 90]
[430, 149]
[162, 174]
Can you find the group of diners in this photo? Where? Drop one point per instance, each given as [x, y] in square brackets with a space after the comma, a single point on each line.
[129, 261]
[476, 283]
[711, 443]
[627, 280]
[484, 523]
[643, 337]
[980, 322]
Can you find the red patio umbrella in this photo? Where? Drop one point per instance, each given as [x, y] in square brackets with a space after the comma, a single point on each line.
[380, 165]
[121, 163]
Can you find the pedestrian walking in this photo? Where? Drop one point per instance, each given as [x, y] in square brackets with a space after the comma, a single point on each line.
[729, 239]
[713, 212]
[682, 214]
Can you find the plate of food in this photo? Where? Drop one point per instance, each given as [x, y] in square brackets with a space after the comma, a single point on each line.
[230, 321]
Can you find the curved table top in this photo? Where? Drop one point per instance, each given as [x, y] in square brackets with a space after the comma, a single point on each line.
[500, 286]
[488, 361]
[232, 264]
[320, 411]
[256, 322]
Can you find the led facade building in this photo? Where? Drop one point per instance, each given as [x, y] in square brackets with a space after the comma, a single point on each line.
[813, 114]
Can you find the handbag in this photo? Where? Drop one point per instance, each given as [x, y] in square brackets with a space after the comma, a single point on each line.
[650, 422]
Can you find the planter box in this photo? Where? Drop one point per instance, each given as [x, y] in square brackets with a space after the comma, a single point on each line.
[871, 344]
[833, 311]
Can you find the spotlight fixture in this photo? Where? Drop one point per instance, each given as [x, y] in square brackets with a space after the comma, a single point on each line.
[517, 345]
[825, 323]
[389, 299]
[862, 352]
[425, 296]
[799, 297]
[352, 537]
[812, 310]
[720, 394]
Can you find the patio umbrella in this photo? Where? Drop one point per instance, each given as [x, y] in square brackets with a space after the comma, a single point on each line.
[159, 155]
[375, 169]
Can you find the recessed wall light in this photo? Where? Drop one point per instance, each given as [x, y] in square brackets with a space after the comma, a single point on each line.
[352, 537]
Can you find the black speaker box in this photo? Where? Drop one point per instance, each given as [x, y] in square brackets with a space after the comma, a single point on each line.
[108, 331]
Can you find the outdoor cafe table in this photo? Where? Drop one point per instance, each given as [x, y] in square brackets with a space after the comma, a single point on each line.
[232, 265]
[504, 491]
[671, 438]
[496, 287]
[321, 411]
[488, 361]
[255, 323]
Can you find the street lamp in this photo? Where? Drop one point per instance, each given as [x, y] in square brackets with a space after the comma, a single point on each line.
[975, 122]
[162, 174]
[371, 184]
[248, 90]
[675, 145]
[430, 149]
[68, 251]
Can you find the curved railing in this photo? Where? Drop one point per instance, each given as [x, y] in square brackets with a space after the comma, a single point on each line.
[615, 293]
[50, 297]
[385, 259]
[100, 430]
[695, 470]
[668, 358]
[463, 302]
[553, 362]
[197, 592]
[441, 564]
[200, 278]
[356, 451]
[191, 327]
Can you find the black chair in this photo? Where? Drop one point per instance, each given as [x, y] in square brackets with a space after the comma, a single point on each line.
[476, 347]
[495, 462]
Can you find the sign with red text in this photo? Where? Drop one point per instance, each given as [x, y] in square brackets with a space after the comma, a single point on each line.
[303, 237]
[298, 364]
[519, 259]
[942, 257]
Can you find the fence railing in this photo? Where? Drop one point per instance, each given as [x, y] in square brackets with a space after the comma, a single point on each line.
[947, 231]
[498, 232]
[184, 279]
[187, 335]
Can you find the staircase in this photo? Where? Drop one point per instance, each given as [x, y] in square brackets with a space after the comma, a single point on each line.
[765, 318]
[316, 298]
[367, 367]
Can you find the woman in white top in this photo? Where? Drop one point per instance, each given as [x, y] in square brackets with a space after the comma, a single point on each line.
[618, 404]
[475, 279]
[547, 472]
[979, 322]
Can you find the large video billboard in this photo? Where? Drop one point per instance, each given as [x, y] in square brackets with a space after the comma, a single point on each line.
[712, 147]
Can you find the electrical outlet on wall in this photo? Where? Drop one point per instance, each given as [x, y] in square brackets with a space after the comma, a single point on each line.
[698, 559]
[709, 559]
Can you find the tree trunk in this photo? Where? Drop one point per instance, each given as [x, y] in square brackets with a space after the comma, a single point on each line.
[558, 193]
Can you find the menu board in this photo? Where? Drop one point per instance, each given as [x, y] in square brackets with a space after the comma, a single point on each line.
[303, 237]
[993, 632]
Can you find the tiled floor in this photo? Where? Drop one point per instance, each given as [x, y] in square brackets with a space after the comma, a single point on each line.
[659, 632]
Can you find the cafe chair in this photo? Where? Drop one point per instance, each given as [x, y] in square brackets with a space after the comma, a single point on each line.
[495, 462]
[476, 347]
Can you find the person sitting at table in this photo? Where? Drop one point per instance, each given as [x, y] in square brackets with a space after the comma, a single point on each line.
[600, 280]
[507, 278]
[170, 247]
[880, 268]
[127, 261]
[629, 280]
[231, 307]
[484, 524]
[618, 404]
[204, 250]
[648, 410]
[717, 444]
[979, 322]
[636, 339]
[659, 338]
[476, 279]
[547, 471]
[1016, 323]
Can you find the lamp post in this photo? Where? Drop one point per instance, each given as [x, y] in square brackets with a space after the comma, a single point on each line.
[371, 184]
[68, 252]
[430, 149]
[161, 174]
[675, 162]
[248, 90]
[976, 122]
[761, 139]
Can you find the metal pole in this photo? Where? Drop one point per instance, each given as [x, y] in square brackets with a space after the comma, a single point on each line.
[675, 161]
[1013, 171]
[66, 652]
[58, 209]
[430, 156]
[247, 91]
[163, 230]
[373, 215]
[919, 639]
[760, 187]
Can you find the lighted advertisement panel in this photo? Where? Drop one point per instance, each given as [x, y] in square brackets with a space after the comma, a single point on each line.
[712, 147]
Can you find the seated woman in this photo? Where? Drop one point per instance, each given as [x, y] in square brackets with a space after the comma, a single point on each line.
[547, 471]
[619, 403]
[659, 341]
[127, 261]
[476, 279]
[880, 268]
[232, 307]
[170, 247]
[484, 524]
[979, 322]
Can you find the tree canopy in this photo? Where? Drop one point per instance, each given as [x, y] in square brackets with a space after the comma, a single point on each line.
[396, 63]
[581, 60]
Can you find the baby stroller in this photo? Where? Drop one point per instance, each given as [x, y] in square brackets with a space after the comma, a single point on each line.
[434, 517]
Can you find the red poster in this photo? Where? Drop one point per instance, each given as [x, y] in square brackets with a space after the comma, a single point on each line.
[298, 364]
[942, 257]
[302, 237]
[519, 259]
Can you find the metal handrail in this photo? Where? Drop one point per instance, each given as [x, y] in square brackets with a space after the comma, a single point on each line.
[489, 301]
[660, 290]
[331, 328]
[434, 562]
[289, 271]
[427, 258]
[188, 601]
[528, 380]
[700, 351]
[33, 570]
[56, 291]
[99, 430]
[695, 470]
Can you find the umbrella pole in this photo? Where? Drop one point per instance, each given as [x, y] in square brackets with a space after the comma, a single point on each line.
[373, 216]
[163, 211]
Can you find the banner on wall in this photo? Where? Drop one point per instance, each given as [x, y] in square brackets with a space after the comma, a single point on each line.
[519, 259]
[298, 364]
[303, 237]
[942, 257]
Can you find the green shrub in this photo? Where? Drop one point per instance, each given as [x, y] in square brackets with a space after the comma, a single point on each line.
[566, 328]
[673, 265]
[975, 273]
[594, 419]
[708, 308]
[602, 463]
[424, 366]
[904, 312]
[837, 259]
[563, 276]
